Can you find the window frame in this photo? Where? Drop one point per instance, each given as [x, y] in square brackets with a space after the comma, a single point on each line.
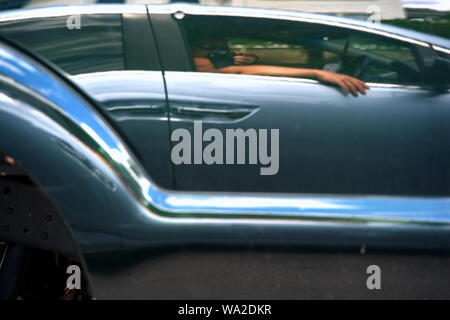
[412, 45]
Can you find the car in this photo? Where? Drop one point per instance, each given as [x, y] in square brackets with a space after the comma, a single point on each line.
[88, 119]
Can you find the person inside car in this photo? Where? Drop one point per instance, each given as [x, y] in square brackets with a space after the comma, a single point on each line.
[213, 55]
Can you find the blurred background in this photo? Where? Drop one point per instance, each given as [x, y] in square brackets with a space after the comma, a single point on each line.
[429, 16]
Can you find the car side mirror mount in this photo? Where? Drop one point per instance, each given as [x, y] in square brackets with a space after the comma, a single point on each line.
[440, 73]
[435, 69]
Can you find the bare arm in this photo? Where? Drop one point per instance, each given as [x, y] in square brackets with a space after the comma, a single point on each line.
[347, 83]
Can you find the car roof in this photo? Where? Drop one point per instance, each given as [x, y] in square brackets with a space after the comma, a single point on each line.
[377, 28]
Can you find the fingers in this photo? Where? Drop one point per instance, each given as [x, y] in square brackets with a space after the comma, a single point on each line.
[344, 86]
[361, 86]
[348, 84]
[354, 86]
[351, 86]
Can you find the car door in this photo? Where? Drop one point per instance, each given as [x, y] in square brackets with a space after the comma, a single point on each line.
[384, 143]
[110, 52]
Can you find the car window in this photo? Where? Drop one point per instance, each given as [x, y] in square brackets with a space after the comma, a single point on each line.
[92, 45]
[369, 57]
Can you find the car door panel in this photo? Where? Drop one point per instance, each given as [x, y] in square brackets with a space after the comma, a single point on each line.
[329, 142]
[383, 143]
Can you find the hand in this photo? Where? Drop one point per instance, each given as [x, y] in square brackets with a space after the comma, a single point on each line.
[347, 83]
[244, 58]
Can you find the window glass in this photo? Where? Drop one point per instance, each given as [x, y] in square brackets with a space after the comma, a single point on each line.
[368, 57]
[94, 45]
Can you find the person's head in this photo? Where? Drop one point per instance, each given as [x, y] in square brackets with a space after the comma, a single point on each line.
[203, 46]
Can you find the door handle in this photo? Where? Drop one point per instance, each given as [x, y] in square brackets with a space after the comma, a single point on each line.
[211, 112]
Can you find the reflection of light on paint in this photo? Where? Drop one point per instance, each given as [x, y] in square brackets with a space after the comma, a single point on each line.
[251, 202]
[5, 98]
[9, 66]
[120, 155]
[96, 137]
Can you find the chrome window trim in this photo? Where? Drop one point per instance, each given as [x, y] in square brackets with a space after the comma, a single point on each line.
[441, 49]
[68, 10]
